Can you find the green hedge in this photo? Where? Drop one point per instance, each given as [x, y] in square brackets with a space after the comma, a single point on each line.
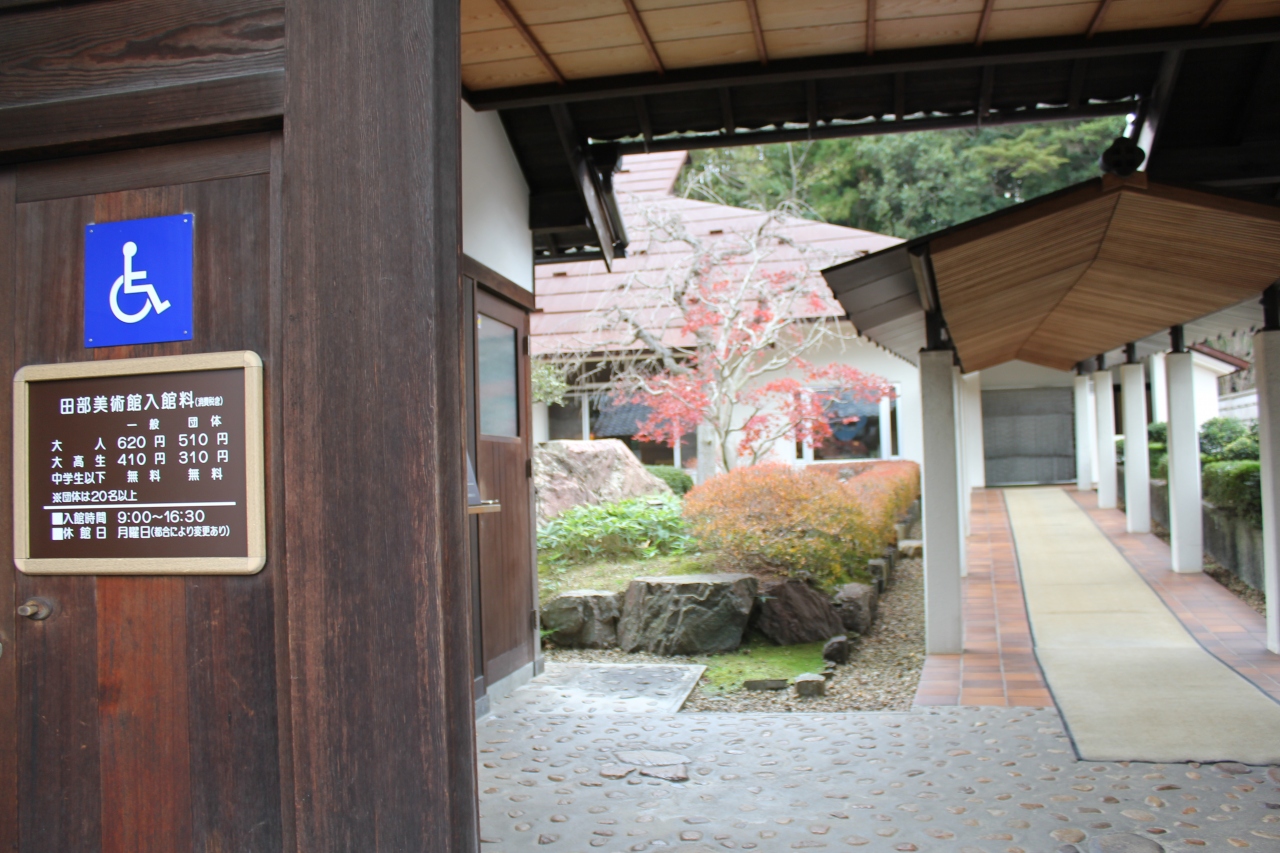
[679, 481]
[1236, 487]
[1217, 433]
[637, 528]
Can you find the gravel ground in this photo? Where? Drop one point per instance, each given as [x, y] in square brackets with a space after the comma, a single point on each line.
[881, 675]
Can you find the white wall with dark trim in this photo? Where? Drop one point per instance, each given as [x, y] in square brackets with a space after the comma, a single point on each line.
[495, 199]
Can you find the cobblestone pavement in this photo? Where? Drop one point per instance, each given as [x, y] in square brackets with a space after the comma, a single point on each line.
[569, 688]
[961, 779]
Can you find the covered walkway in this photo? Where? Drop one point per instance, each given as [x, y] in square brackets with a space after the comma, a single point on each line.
[1129, 679]
[1145, 663]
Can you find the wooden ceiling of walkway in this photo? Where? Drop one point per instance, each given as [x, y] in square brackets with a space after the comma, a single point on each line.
[514, 43]
[1089, 269]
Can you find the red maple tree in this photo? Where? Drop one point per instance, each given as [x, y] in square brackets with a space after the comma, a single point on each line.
[750, 305]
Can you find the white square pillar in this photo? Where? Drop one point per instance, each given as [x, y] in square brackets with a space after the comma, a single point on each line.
[1266, 362]
[1137, 461]
[1104, 407]
[1093, 434]
[1159, 396]
[975, 458]
[940, 501]
[1186, 523]
[1084, 435]
[886, 427]
[962, 444]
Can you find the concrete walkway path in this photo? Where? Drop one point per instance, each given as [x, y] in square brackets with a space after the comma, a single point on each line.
[1129, 679]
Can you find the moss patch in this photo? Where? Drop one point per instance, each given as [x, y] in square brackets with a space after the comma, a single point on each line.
[614, 575]
[758, 658]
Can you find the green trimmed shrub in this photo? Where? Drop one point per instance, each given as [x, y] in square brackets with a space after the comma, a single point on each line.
[1244, 447]
[678, 480]
[1217, 433]
[1120, 450]
[1158, 432]
[635, 528]
[1235, 487]
[1159, 461]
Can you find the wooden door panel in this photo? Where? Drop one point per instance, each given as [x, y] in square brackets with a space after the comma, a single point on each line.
[506, 551]
[59, 782]
[148, 708]
[505, 563]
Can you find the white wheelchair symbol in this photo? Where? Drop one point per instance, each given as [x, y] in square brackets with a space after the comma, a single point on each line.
[126, 282]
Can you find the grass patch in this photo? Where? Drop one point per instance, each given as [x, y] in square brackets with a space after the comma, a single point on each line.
[613, 575]
[758, 658]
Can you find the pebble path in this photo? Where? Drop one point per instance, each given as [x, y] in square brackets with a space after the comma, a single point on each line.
[961, 779]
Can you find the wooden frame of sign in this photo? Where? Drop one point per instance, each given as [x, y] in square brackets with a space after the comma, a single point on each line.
[165, 494]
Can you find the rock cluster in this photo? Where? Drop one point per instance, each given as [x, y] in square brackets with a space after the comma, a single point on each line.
[571, 473]
[686, 614]
[792, 612]
[583, 619]
[709, 613]
[855, 605]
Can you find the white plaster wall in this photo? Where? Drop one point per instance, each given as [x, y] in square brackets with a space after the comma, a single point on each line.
[495, 199]
[869, 358]
[974, 451]
[541, 424]
[1021, 374]
[1206, 390]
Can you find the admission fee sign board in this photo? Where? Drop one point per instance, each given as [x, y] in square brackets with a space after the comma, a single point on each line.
[140, 466]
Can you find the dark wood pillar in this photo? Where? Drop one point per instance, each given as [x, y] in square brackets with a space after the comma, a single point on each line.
[378, 587]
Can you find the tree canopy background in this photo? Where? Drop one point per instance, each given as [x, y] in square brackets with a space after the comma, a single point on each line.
[904, 184]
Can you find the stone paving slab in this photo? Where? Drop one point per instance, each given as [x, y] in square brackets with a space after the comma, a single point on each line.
[962, 780]
[600, 688]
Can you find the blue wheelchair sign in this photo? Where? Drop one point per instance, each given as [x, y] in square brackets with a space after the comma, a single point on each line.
[138, 281]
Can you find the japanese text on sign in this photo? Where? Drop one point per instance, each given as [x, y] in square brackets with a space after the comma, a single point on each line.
[149, 465]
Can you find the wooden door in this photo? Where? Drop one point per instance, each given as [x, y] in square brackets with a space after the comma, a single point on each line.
[503, 446]
[146, 712]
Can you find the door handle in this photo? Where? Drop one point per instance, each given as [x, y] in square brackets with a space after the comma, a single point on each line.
[36, 609]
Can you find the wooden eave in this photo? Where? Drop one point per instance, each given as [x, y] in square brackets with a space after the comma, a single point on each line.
[1086, 270]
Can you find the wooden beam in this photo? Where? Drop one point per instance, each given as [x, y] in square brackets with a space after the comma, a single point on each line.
[644, 36]
[873, 128]
[585, 180]
[754, 11]
[984, 93]
[1156, 104]
[910, 60]
[726, 113]
[984, 22]
[1261, 91]
[646, 125]
[1101, 13]
[143, 116]
[531, 40]
[1212, 13]
[871, 27]
[1078, 68]
[373, 91]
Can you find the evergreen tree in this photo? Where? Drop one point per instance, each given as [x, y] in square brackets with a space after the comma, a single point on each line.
[904, 184]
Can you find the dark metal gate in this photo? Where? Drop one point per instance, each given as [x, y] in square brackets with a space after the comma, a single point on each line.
[1029, 435]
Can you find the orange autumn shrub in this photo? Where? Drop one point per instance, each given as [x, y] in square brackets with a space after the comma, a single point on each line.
[826, 521]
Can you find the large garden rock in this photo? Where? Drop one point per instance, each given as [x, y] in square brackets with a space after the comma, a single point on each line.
[686, 614]
[583, 619]
[856, 603]
[793, 612]
[569, 473]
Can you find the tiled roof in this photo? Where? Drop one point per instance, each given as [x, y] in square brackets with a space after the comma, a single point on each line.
[570, 294]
